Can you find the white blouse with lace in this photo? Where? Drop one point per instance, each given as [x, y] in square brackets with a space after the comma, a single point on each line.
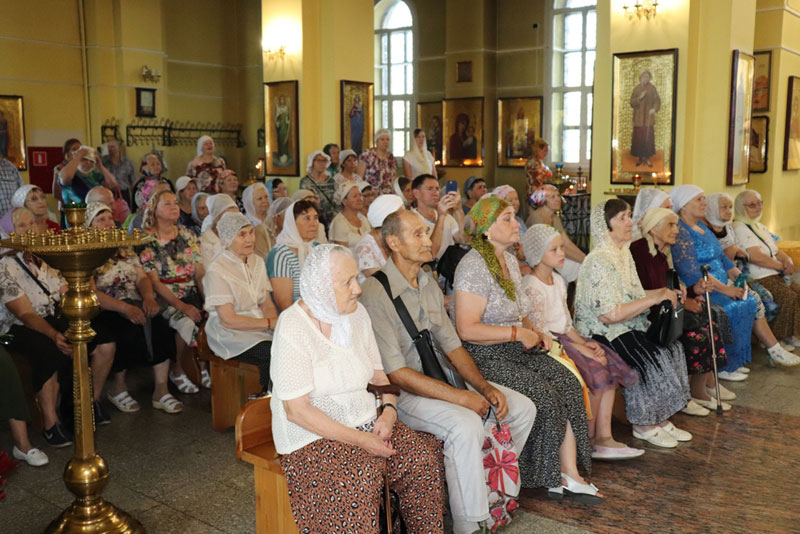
[549, 312]
[305, 362]
[369, 255]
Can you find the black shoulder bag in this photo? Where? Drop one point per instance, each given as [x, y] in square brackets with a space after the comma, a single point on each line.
[435, 363]
[667, 327]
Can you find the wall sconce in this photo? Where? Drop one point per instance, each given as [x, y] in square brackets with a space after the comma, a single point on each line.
[282, 37]
[273, 55]
[150, 75]
[641, 9]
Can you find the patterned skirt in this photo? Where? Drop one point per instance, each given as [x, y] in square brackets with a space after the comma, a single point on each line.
[337, 487]
[663, 385]
[598, 377]
[558, 397]
[697, 345]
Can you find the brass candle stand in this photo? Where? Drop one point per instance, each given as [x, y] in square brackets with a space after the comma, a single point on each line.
[77, 252]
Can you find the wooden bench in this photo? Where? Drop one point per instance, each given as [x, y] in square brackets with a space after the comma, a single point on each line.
[254, 445]
[231, 383]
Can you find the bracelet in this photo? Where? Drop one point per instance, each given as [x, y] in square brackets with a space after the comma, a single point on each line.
[390, 405]
[513, 334]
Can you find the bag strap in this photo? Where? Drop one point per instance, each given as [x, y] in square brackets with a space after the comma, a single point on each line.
[323, 193]
[33, 277]
[762, 240]
[399, 305]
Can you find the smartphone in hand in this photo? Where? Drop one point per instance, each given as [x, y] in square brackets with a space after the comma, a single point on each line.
[451, 187]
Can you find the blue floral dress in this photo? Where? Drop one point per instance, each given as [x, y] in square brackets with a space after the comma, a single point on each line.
[690, 251]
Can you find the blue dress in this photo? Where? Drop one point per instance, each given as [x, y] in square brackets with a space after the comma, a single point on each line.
[690, 251]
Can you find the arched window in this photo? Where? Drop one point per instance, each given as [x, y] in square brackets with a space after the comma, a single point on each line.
[574, 31]
[394, 71]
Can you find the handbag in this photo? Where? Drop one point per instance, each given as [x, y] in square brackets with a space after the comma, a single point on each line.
[435, 364]
[667, 326]
[501, 469]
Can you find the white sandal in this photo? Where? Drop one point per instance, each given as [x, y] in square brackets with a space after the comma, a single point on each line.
[169, 404]
[183, 383]
[123, 402]
[582, 493]
[205, 379]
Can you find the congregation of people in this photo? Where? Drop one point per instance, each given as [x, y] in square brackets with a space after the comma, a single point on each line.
[315, 289]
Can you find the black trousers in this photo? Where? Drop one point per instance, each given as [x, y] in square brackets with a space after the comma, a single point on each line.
[133, 349]
[258, 355]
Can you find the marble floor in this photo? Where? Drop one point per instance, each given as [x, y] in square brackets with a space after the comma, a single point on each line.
[176, 475]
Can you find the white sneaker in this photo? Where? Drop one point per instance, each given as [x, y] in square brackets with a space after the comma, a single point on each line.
[733, 376]
[782, 358]
[677, 433]
[692, 408]
[712, 404]
[34, 457]
[744, 370]
[657, 436]
[724, 393]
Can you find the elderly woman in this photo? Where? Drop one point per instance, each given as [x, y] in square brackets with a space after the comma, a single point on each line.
[256, 206]
[275, 216]
[611, 307]
[536, 172]
[14, 409]
[130, 313]
[151, 172]
[83, 172]
[377, 165]
[30, 291]
[333, 152]
[490, 311]
[276, 189]
[319, 182]
[209, 240]
[510, 195]
[647, 199]
[30, 197]
[241, 315]
[697, 246]
[173, 262]
[324, 421]
[370, 251]
[653, 261]
[546, 201]
[185, 190]
[305, 194]
[418, 160]
[602, 369]
[350, 225]
[769, 265]
[206, 167]
[347, 170]
[199, 212]
[292, 246]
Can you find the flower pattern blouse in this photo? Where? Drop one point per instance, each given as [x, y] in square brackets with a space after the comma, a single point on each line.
[15, 282]
[537, 173]
[117, 278]
[206, 174]
[380, 173]
[174, 262]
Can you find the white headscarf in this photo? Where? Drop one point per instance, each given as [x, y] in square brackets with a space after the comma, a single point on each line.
[417, 157]
[21, 195]
[229, 225]
[200, 141]
[683, 194]
[217, 204]
[646, 199]
[249, 206]
[195, 199]
[93, 209]
[381, 133]
[503, 191]
[399, 192]
[346, 153]
[316, 290]
[712, 209]
[535, 242]
[342, 191]
[382, 207]
[275, 209]
[313, 155]
[290, 236]
[301, 194]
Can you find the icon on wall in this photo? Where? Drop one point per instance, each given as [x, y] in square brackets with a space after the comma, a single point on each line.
[12, 131]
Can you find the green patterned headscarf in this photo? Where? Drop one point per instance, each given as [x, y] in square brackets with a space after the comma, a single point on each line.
[483, 215]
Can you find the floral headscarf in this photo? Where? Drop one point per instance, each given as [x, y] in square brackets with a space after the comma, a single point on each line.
[539, 197]
[483, 215]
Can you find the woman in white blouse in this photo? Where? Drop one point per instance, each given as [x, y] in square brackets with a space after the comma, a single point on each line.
[324, 421]
[418, 160]
[350, 224]
[209, 240]
[241, 315]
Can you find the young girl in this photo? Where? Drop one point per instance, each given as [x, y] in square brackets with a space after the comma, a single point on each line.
[601, 368]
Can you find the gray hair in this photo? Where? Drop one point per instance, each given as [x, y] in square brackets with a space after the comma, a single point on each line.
[392, 225]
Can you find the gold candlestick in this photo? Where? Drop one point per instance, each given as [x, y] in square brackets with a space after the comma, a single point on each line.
[77, 253]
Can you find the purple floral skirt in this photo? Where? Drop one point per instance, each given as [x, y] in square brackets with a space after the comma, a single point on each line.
[598, 377]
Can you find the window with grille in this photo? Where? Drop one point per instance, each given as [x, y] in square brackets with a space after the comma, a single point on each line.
[394, 73]
[574, 37]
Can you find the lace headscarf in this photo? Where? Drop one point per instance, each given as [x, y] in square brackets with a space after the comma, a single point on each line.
[249, 206]
[316, 290]
[417, 157]
[535, 242]
[342, 191]
[740, 214]
[290, 236]
[712, 209]
[217, 204]
[503, 191]
[651, 219]
[606, 248]
[483, 215]
[647, 198]
[682, 195]
[229, 225]
[195, 199]
[382, 207]
[93, 209]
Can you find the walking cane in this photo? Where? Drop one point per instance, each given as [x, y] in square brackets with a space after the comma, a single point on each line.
[704, 269]
[379, 391]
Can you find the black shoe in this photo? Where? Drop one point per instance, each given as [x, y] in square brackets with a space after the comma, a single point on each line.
[101, 416]
[57, 436]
